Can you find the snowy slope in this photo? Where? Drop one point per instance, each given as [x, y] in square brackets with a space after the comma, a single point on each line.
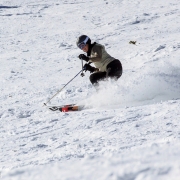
[128, 130]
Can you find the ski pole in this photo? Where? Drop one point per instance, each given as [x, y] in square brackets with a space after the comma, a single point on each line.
[45, 104]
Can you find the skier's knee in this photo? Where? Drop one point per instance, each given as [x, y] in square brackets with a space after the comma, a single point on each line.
[93, 79]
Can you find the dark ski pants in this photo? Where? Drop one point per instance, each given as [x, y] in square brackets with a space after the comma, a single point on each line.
[114, 70]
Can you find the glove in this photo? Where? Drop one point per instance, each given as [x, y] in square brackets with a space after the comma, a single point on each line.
[87, 67]
[85, 58]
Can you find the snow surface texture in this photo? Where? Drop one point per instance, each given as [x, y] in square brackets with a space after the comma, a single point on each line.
[129, 130]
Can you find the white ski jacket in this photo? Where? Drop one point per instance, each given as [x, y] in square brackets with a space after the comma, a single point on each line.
[100, 57]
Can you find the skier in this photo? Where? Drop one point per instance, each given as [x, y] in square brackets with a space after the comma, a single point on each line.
[105, 65]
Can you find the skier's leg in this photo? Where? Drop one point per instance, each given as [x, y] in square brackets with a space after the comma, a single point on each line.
[114, 69]
[97, 76]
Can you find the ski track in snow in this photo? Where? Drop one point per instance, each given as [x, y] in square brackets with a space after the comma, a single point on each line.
[128, 130]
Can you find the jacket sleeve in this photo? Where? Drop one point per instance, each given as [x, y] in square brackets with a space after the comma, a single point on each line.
[96, 54]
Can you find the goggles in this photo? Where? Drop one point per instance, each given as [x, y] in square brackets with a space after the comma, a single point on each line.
[83, 44]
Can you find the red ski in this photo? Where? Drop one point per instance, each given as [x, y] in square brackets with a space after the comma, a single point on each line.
[65, 108]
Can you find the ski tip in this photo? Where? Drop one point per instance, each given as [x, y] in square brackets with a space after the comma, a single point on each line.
[65, 108]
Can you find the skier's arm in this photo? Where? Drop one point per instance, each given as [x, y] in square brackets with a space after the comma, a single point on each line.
[95, 59]
[97, 55]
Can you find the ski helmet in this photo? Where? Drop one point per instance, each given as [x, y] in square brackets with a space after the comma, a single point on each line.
[82, 41]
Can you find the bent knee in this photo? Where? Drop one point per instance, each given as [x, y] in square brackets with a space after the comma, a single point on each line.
[97, 76]
[93, 78]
